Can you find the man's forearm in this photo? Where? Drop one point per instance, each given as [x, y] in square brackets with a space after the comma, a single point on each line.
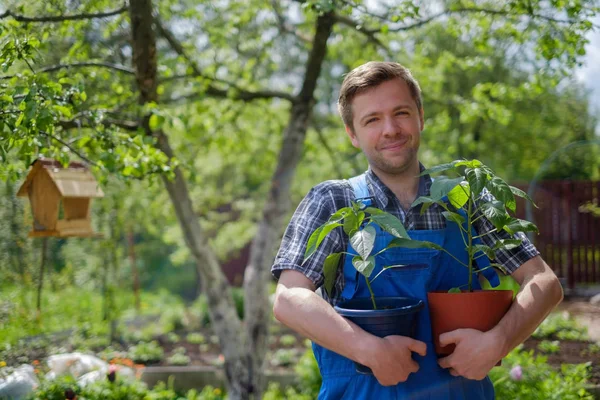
[308, 314]
[539, 294]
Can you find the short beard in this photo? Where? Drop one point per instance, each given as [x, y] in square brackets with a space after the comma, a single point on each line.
[391, 169]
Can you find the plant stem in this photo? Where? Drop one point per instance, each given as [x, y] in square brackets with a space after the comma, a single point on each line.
[372, 294]
[470, 246]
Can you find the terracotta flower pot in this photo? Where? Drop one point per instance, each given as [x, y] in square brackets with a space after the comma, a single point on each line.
[481, 310]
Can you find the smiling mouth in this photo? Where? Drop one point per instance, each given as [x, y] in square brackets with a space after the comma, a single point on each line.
[396, 145]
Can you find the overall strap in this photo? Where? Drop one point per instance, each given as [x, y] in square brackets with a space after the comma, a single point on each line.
[361, 189]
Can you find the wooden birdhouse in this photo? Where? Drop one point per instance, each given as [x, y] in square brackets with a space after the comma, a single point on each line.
[60, 198]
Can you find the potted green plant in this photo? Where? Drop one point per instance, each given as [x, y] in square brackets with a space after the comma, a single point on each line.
[381, 316]
[462, 306]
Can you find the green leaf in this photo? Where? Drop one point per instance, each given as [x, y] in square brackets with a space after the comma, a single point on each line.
[390, 224]
[520, 225]
[439, 168]
[507, 244]
[351, 224]
[156, 122]
[412, 244]
[340, 214]
[443, 185]
[477, 179]
[468, 163]
[501, 191]
[425, 207]
[365, 267]
[500, 267]
[459, 196]
[428, 201]
[374, 211]
[363, 241]
[454, 217]
[487, 250]
[522, 194]
[317, 237]
[358, 205]
[19, 120]
[454, 290]
[495, 212]
[65, 111]
[330, 267]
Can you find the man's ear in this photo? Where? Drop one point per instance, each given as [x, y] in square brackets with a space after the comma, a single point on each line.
[352, 136]
[422, 118]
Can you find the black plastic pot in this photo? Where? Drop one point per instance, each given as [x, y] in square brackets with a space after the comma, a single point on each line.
[394, 316]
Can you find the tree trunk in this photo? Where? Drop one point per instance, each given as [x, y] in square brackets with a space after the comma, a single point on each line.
[256, 302]
[16, 252]
[226, 323]
[134, 270]
[244, 350]
[41, 280]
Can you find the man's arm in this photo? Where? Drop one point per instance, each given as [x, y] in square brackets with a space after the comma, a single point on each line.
[300, 308]
[477, 352]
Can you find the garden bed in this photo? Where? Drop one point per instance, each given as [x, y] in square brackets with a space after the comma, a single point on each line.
[559, 339]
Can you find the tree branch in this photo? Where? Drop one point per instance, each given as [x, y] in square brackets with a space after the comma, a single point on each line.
[238, 93]
[52, 68]
[284, 27]
[369, 33]
[62, 18]
[131, 126]
[468, 10]
[71, 148]
[117, 67]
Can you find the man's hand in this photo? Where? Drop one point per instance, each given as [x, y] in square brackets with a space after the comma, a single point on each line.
[391, 360]
[476, 353]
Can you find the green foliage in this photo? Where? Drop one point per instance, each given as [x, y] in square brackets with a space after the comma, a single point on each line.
[178, 357]
[307, 370]
[539, 380]
[358, 223]
[467, 193]
[284, 357]
[288, 340]
[195, 338]
[146, 352]
[556, 326]
[274, 392]
[120, 390]
[591, 207]
[549, 347]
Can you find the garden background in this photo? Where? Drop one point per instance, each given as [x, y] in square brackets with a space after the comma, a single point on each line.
[206, 122]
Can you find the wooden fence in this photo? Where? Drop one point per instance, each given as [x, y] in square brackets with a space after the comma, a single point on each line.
[569, 238]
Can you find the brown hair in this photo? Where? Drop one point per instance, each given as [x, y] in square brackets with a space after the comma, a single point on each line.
[368, 76]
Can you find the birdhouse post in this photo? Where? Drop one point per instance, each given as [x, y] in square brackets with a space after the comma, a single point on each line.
[60, 198]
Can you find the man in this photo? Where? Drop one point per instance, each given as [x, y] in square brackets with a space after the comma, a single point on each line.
[380, 104]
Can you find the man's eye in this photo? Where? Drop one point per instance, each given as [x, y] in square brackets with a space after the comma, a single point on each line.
[370, 120]
[402, 113]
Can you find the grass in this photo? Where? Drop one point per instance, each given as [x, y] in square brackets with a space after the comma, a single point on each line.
[70, 309]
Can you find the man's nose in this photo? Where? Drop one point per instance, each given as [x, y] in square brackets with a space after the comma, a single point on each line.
[390, 128]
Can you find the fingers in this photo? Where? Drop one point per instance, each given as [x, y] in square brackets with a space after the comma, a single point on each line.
[445, 362]
[413, 367]
[417, 346]
[450, 337]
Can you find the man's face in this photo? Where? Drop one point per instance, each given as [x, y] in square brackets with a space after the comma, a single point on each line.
[387, 127]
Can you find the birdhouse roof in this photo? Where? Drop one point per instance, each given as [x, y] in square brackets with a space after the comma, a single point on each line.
[73, 181]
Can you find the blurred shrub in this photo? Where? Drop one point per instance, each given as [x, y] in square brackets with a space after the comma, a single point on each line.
[523, 376]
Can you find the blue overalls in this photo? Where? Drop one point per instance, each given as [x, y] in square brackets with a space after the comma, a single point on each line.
[426, 270]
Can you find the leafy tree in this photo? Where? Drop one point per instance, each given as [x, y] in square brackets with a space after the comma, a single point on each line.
[196, 67]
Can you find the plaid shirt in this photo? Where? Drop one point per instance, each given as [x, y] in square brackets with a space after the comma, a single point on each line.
[326, 198]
